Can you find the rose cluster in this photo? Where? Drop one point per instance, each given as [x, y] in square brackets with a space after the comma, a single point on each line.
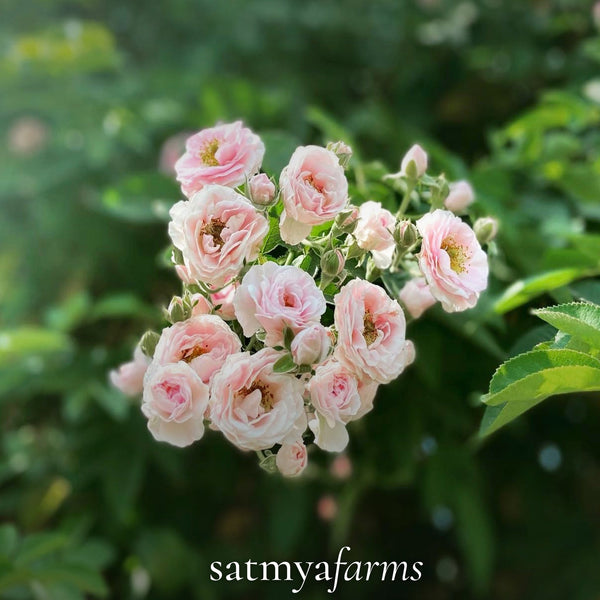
[286, 324]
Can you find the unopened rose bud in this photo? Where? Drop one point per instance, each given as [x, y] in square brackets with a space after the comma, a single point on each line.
[414, 163]
[342, 151]
[461, 195]
[129, 377]
[262, 189]
[311, 346]
[332, 263]
[485, 229]
[148, 343]
[177, 311]
[405, 235]
[347, 219]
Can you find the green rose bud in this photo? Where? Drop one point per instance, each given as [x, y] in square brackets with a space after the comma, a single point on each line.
[332, 263]
[485, 229]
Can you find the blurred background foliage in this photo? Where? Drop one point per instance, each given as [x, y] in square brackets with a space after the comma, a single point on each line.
[505, 93]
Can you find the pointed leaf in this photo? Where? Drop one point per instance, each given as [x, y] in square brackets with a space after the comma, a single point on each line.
[579, 319]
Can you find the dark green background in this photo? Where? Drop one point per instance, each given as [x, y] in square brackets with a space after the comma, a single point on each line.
[90, 91]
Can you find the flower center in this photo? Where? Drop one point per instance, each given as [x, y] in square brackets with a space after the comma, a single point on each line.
[370, 331]
[267, 401]
[189, 354]
[214, 228]
[313, 184]
[207, 155]
[458, 254]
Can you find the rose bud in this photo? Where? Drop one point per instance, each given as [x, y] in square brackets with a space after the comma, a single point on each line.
[291, 459]
[416, 297]
[342, 151]
[414, 163]
[332, 262]
[177, 310]
[262, 190]
[461, 195]
[311, 346]
[405, 235]
[485, 229]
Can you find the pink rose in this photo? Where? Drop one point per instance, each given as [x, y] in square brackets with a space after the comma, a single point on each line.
[374, 232]
[371, 332]
[314, 190]
[129, 377]
[225, 155]
[292, 459]
[367, 390]
[311, 345]
[201, 305]
[417, 155]
[217, 231]
[253, 406]
[224, 300]
[262, 189]
[416, 297]
[333, 392]
[203, 342]
[330, 439]
[452, 260]
[272, 297]
[461, 195]
[175, 400]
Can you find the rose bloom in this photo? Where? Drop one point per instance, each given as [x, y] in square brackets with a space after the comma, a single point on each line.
[374, 232]
[367, 390]
[291, 460]
[272, 297]
[451, 260]
[314, 190]
[371, 332]
[418, 156]
[262, 189]
[333, 391]
[416, 297]
[461, 195]
[171, 151]
[253, 406]
[203, 342]
[226, 155]
[174, 401]
[311, 345]
[129, 377]
[217, 231]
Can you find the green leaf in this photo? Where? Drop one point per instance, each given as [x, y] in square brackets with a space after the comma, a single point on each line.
[39, 545]
[288, 337]
[524, 381]
[27, 341]
[273, 238]
[523, 291]
[579, 319]
[8, 539]
[284, 364]
[85, 579]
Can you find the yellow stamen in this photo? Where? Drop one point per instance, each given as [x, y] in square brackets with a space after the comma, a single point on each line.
[458, 255]
[208, 153]
[369, 331]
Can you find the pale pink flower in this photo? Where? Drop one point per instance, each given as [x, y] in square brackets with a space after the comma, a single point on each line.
[416, 297]
[460, 197]
[171, 151]
[371, 332]
[224, 300]
[292, 458]
[333, 392]
[253, 406]
[201, 305]
[175, 400]
[225, 155]
[451, 260]
[330, 439]
[311, 345]
[367, 390]
[217, 231]
[262, 189]
[417, 155]
[204, 342]
[314, 190]
[129, 377]
[272, 297]
[374, 232]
